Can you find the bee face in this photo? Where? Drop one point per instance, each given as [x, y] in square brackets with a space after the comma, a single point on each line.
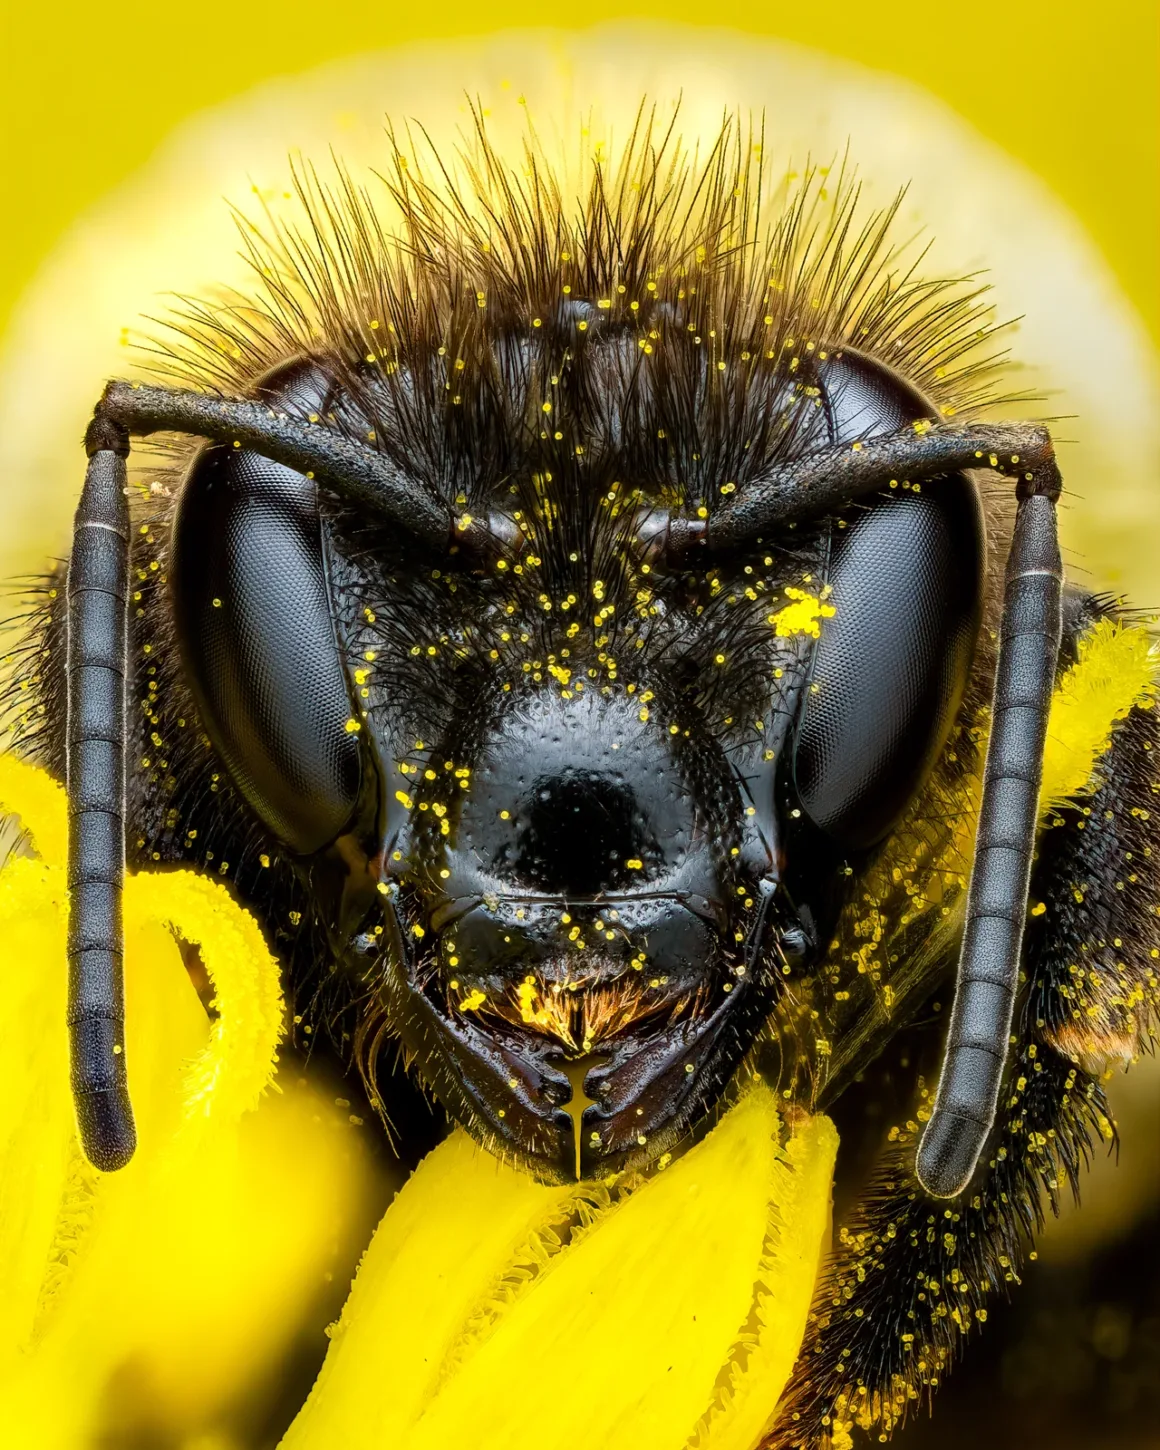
[582, 908]
[569, 818]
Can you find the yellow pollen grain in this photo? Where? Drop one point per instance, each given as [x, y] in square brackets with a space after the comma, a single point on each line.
[802, 616]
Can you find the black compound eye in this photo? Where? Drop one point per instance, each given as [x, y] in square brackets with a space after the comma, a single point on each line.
[890, 668]
[258, 639]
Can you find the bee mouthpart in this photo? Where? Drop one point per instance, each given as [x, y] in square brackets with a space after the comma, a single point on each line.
[582, 1014]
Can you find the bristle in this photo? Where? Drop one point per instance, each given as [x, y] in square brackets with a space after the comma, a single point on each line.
[457, 251]
[911, 1279]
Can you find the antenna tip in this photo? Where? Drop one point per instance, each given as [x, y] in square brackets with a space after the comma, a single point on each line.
[107, 1131]
[949, 1153]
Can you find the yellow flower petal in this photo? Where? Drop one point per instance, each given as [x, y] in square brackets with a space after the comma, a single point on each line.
[478, 1279]
[177, 1286]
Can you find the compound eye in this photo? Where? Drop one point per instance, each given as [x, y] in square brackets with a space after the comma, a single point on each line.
[257, 636]
[890, 668]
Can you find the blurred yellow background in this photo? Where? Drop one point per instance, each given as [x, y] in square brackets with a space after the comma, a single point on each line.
[1070, 89]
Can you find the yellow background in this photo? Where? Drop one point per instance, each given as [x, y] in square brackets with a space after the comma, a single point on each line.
[1071, 89]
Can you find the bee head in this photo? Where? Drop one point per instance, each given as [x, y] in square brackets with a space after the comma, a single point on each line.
[569, 817]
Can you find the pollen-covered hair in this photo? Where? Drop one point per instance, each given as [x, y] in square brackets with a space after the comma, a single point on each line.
[445, 256]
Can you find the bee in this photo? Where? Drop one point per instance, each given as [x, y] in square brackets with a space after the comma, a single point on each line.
[610, 649]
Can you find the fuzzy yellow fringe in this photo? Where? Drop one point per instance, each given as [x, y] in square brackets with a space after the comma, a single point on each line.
[1116, 670]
